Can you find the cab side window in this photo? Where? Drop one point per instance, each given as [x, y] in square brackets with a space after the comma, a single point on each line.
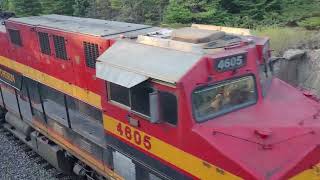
[135, 98]
[139, 96]
[168, 107]
[119, 94]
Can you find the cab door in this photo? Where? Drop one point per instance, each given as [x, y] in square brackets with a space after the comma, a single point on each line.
[131, 129]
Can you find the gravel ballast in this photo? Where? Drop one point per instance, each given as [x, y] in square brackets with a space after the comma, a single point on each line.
[17, 164]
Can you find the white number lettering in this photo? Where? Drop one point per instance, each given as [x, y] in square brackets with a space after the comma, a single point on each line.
[230, 63]
[239, 60]
[227, 63]
[221, 65]
[233, 61]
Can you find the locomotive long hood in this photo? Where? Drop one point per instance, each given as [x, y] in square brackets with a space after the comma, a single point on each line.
[273, 140]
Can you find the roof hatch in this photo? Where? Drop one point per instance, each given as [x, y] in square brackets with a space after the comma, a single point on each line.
[195, 35]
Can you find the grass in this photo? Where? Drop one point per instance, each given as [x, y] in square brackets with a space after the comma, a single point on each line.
[312, 23]
[283, 38]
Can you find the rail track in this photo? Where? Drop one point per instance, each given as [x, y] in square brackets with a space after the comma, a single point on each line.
[40, 169]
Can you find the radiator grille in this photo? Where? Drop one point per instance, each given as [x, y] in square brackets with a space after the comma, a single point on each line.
[44, 43]
[91, 52]
[15, 37]
[60, 47]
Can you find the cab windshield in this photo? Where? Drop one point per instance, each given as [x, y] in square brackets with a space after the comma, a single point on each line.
[216, 100]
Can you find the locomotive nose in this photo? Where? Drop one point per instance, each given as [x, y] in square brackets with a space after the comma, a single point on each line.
[270, 153]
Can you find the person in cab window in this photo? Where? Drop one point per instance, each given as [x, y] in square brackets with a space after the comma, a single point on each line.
[224, 98]
[232, 95]
[244, 93]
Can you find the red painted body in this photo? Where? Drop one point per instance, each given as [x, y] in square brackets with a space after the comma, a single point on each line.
[276, 138]
[72, 71]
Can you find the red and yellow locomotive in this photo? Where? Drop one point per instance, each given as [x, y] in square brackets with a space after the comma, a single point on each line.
[107, 99]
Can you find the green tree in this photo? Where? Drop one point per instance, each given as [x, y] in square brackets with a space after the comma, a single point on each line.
[250, 13]
[26, 7]
[298, 10]
[101, 9]
[64, 7]
[138, 11]
[176, 13]
[188, 11]
[155, 15]
[80, 7]
[48, 6]
[256, 9]
[3, 5]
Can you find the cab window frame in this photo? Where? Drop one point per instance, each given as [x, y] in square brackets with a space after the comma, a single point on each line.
[265, 78]
[108, 86]
[214, 116]
[124, 106]
[146, 117]
[177, 107]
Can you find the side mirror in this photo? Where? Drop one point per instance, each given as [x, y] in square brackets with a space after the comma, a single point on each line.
[154, 107]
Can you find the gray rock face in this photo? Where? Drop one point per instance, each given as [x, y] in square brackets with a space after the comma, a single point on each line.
[294, 54]
[301, 69]
[309, 72]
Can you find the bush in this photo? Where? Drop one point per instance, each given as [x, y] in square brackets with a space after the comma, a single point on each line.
[312, 23]
[176, 13]
[283, 38]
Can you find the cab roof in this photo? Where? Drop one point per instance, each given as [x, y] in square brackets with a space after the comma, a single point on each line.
[128, 64]
[165, 55]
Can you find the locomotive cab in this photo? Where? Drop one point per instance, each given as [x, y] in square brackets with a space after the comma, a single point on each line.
[207, 91]
[165, 83]
[167, 58]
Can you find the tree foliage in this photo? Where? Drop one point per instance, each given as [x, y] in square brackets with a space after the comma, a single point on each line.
[100, 9]
[26, 7]
[137, 11]
[298, 10]
[80, 7]
[249, 13]
[241, 13]
[187, 11]
[64, 7]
